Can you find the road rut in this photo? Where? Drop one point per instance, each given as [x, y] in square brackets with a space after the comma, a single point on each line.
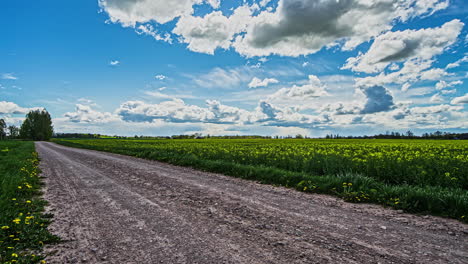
[110, 208]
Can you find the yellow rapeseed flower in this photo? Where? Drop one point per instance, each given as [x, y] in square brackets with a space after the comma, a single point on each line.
[5, 227]
[14, 255]
[16, 221]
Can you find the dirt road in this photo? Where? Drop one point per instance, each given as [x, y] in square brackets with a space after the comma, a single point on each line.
[117, 209]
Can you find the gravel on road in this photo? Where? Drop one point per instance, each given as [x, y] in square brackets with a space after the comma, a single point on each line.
[111, 208]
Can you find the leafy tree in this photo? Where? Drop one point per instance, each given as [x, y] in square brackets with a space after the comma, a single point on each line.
[13, 131]
[37, 126]
[409, 134]
[2, 129]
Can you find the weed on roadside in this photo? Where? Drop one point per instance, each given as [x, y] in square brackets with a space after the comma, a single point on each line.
[23, 225]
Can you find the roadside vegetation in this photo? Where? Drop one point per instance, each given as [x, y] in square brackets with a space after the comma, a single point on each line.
[23, 225]
[22, 221]
[417, 176]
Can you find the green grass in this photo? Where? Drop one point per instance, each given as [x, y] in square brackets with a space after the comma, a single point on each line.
[22, 221]
[416, 176]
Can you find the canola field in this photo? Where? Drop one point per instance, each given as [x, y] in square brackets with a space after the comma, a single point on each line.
[422, 176]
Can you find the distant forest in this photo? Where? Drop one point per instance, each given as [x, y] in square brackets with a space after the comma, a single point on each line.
[387, 135]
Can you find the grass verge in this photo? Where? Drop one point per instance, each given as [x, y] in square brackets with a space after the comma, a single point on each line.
[435, 200]
[23, 225]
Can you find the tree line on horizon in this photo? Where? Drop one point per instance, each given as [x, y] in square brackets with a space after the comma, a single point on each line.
[406, 135]
[387, 135]
[37, 126]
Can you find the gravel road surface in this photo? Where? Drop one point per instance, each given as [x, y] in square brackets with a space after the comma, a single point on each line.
[116, 209]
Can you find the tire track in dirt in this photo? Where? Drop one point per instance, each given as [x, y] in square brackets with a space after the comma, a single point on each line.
[117, 209]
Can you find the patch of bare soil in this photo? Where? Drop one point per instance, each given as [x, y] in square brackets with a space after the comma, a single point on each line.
[116, 209]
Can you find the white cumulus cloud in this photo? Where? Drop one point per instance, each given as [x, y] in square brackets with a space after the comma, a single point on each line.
[379, 99]
[11, 108]
[214, 30]
[131, 12]
[148, 29]
[412, 71]
[294, 28]
[443, 84]
[436, 98]
[177, 111]
[457, 63]
[460, 100]
[86, 114]
[256, 82]
[313, 88]
[160, 77]
[300, 27]
[422, 44]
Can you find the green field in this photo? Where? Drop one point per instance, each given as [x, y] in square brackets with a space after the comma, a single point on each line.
[22, 224]
[419, 176]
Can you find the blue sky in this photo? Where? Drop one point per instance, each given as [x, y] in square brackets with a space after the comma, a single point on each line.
[278, 67]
